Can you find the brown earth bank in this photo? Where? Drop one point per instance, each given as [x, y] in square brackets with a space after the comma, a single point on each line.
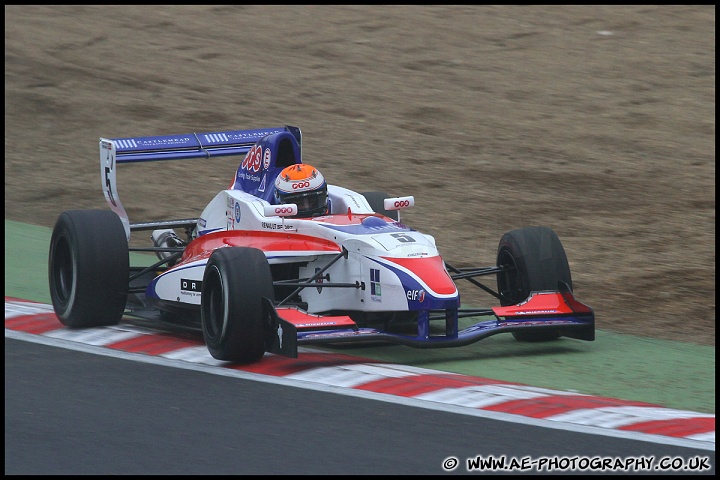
[597, 121]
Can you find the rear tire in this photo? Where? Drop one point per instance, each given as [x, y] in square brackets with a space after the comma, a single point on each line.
[535, 261]
[232, 314]
[88, 268]
[376, 201]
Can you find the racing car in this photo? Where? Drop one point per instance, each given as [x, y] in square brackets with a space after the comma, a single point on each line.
[256, 278]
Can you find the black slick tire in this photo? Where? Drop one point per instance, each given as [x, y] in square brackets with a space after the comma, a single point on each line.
[534, 260]
[232, 316]
[88, 268]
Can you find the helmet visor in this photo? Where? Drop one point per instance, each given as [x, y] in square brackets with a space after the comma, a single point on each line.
[309, 204]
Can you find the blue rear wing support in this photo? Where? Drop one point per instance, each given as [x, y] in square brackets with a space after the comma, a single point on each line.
[114, 151]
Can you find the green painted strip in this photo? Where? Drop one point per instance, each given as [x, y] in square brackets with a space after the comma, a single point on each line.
[671, 374]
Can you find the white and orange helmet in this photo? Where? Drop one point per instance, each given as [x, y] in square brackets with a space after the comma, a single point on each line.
[303, 185]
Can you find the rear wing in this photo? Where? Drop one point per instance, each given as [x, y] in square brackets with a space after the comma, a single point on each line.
[114, 151]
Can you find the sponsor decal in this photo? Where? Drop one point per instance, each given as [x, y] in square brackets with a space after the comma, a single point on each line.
[279, 333]
[534, 312]
[250, 135]
[152, 142]
[237, 212]
[109, 159]
[202, 222]
[261, 188]
[418, 295]
[533, 323]
[190, 287]
[353, 333]
[252, 160]
[276, 226]
[316, 324]
[375, 282]
[266, 159]
[280, 210]
[398, 203]
[247, 176]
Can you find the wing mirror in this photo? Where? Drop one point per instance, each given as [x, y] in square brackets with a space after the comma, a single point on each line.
[285, 210]
[398, 203]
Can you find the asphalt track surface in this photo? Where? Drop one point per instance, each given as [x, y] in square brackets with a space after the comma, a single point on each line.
[72, 410]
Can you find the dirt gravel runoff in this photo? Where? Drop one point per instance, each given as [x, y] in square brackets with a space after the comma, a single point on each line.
[596, 121]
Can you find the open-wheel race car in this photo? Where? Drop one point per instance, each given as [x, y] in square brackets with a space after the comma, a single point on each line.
[258, 272]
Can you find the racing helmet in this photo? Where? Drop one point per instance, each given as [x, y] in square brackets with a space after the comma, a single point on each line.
[303, 185]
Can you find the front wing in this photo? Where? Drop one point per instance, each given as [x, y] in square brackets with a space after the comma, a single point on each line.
[556, 311]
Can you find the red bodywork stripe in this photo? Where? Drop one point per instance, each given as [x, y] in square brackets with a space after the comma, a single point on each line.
[303, 320]
[543, 303]
[203, 246]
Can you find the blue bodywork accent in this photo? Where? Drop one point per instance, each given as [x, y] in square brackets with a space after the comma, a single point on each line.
[410, 284]
[205, 232]
[370, 226]
[192, 145]
[284, 145]
[283, 149]
[150, 289]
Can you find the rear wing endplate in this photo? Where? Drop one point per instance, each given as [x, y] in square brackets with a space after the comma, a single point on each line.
[114, 151]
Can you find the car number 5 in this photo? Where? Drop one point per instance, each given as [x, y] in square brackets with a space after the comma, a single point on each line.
[403, 237]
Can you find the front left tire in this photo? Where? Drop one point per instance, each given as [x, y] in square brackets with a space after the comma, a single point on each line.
[232, 315]
[88, 268]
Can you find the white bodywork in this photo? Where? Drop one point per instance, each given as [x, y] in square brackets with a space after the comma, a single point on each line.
[371, 247]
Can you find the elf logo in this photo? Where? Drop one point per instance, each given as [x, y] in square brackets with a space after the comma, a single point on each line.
[418, 295]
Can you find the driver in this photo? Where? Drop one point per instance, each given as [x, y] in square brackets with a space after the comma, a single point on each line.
[305, 186]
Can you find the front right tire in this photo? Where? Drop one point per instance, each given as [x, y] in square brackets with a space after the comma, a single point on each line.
[533, 259]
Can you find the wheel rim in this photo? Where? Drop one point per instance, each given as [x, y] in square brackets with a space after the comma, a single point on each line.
[63, 271]
[216, 309]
